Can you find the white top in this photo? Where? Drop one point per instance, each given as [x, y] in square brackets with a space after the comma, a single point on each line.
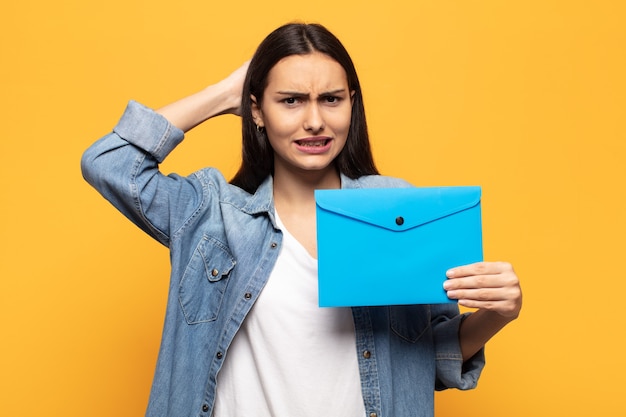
[291, 358]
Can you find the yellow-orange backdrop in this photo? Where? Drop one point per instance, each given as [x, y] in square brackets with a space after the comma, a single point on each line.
[526, 99]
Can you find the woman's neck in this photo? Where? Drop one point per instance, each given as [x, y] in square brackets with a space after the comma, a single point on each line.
[294, 200]
[297, 189]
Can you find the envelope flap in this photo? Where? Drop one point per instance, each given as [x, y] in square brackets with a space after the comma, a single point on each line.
[398, 208]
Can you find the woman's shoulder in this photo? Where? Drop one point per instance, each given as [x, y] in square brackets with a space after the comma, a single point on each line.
[213, 182]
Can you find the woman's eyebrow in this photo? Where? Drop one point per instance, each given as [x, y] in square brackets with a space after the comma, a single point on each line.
[301, 94]
[334, 92]
[292, 93]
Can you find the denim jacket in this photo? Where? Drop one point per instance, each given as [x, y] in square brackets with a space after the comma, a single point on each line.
[223, 244]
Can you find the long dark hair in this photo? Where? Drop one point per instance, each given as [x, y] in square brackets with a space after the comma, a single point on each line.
[257, 163]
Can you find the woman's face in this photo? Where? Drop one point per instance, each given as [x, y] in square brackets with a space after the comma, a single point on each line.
[306, 111]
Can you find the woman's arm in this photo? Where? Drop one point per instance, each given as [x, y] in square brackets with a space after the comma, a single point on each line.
[491, 287]
[124, 165]
[223, 97]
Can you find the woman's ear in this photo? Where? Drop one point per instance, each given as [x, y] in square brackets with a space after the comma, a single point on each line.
[257, 114]
[352, 93]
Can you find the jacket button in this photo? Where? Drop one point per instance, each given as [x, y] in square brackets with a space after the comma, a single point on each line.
[205, 408]
[399, 220]
[367, 354]
[373, 415]
[247, 296]
[215, 272]
[274, 245]
[219, 355]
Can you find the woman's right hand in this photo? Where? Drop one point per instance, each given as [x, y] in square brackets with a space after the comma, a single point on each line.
[234, 84]
[223, 97]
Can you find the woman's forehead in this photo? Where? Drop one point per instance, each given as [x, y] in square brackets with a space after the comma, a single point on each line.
[303, 73]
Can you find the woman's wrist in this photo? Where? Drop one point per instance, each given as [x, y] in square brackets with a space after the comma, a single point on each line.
[228, 94]
[192, 110]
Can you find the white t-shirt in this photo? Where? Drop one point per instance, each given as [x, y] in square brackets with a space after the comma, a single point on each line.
[291, 358]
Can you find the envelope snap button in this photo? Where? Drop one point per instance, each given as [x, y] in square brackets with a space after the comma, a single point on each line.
[399, 220]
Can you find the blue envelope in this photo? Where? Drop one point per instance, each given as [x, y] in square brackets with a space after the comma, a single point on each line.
[393, 246]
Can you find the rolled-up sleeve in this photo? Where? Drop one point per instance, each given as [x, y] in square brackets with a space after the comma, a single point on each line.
[452, 371]
[123, 167]
[148, 130]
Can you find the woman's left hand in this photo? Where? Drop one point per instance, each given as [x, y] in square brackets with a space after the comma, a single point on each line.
[491, 286]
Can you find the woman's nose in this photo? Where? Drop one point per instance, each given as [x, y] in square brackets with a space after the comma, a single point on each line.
[314, 121]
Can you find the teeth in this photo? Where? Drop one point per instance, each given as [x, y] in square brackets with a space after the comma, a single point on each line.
[312, 143]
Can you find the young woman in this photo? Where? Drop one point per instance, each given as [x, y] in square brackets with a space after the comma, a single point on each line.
[243, 334]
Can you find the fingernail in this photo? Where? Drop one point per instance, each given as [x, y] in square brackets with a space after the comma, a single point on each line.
[450, 273]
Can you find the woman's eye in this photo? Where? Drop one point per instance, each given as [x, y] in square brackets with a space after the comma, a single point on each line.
[290, 100]
[331, 99]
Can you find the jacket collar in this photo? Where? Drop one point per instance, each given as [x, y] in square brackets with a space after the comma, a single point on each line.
[262, 201]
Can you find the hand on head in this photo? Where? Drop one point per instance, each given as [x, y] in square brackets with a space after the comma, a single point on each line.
[234, 84]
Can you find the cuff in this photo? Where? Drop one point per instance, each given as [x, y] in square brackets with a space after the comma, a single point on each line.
[452, 372]
[148, 130]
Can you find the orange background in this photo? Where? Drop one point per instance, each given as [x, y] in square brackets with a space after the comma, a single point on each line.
[526, 99]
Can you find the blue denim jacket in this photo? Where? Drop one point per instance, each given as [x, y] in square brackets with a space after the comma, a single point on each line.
[223, 244]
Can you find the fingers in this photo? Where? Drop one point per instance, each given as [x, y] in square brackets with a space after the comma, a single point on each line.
[482, 275]
[234, 85]
[488, 285]
[480, 268]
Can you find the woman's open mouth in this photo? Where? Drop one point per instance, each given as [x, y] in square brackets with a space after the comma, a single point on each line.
[313, 145]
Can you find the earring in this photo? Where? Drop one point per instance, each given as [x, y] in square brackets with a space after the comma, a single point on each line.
[260, 128]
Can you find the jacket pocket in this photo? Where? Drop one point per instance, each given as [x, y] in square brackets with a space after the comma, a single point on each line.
[410, 322]
[204, 281]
